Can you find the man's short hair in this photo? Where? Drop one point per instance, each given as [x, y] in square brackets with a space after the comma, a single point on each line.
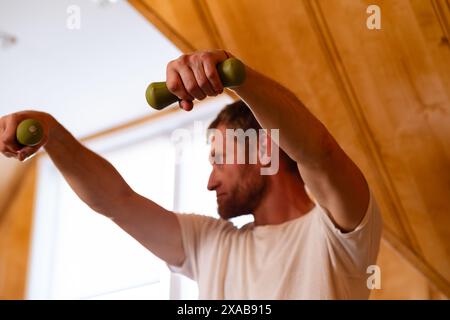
[237, 115]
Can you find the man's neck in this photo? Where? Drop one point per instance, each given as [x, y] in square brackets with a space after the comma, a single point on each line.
[285, 200]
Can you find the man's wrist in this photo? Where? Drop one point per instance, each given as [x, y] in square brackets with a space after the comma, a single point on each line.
[249, 79]
[52, 126]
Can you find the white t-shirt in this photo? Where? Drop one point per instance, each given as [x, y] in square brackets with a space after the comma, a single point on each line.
[304, 258]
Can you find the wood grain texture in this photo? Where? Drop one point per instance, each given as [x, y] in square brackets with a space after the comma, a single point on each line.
[393, 75]
[412, 284]
[15, 235]
[10, 172]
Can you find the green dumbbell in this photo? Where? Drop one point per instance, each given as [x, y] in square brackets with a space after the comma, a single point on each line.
[231, 72]
[29, 132]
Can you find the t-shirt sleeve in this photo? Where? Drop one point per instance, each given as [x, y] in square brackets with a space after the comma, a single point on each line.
[197, 231]
[356, 250]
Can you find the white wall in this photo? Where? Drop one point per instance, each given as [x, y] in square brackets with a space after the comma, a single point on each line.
[90, 79]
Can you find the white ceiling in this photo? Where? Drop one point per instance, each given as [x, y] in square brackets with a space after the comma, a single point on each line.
[89, 79]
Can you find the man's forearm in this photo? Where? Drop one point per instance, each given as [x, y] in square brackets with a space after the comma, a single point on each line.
[302, 135]
[92, 178]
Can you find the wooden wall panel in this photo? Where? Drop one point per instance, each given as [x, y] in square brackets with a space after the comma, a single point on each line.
[10, 170]
[384, 94]
[433, 19]
[393, 75]
[399, 279]
[180, 20]
[15, 236]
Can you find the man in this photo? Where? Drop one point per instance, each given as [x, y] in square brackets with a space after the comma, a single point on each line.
[294, 249]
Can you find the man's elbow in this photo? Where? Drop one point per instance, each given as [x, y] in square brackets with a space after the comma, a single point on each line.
[326, 150]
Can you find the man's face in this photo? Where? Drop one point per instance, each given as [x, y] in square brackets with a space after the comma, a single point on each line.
[239, 187]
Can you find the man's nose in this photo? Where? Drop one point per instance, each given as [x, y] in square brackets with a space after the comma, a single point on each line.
[212, 182]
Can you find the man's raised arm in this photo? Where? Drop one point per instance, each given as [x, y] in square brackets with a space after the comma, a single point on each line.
[99, 185]
[335, 181]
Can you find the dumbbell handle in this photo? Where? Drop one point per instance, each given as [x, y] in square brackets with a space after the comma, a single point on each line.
[231, 72]
[29, 132]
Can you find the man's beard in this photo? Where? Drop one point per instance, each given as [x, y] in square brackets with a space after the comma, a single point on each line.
[244, 198]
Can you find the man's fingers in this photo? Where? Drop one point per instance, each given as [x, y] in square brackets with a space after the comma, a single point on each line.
[28, 151]
[202, 79]
[10, 148]
[175, 85]
[195, 76]
[186, 105]
[10, 154]
[213, 76]
[190, 82]
[9, 136]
